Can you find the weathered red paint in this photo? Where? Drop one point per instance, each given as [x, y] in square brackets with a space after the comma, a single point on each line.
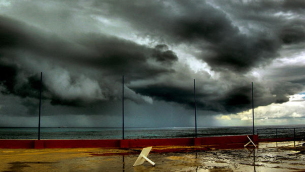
[227, 140]
[220, 142]
[124, 144]
[138, 143]
[81, 143]
[17, 144]
[39, 144]
[197, 141]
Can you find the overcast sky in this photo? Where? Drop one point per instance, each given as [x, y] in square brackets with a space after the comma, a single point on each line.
[84, 47]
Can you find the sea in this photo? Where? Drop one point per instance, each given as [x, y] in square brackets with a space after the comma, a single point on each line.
[149, 133]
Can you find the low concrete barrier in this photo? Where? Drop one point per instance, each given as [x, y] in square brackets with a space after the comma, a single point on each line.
[220, 142]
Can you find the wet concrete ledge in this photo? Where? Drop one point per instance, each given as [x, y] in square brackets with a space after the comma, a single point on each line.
[220, 142]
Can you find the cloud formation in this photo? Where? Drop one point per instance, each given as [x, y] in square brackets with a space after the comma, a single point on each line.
[84, 48]
[110, 56]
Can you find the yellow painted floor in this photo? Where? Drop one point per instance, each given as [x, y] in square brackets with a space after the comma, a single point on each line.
[268, 157]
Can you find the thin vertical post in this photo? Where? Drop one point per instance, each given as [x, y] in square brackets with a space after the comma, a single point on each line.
[254, 159]
[276, 137]
[294, 136]
[123, 110]
[123, 163]
[195, 108]
[252, 112]
[39, 106]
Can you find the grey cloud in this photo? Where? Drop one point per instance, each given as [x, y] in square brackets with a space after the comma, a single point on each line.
[286, 80]
[281, 19]
[288, 73]
[113, 57]
[228, 94]
[243, 53]
[294, 5]
[122, 57]
[12, 82]
[8, 73]
[202, 25]
[293, 32]
[164, 55]
[83, 65]
[65, 18]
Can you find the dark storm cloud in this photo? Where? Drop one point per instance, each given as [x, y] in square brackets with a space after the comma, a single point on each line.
[112, 56]
[16, 36]
[121, 57]
[288, 80]
[231, 101]
[242, 54]
[205, 27]
[7, 77]
[282, 91]
[282, 20]
[228, 94]
[9, 34]
[168, 93]
[83, 61]
[162, 54]
[290, 73]
[294, 5]
[12, 83]
[293, 32]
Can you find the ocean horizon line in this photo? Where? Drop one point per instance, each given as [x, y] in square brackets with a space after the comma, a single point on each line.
[272, 126]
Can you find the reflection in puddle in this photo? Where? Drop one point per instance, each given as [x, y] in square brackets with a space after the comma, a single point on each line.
[254, 160]
[268, 159]
[19, 166]
[216, 169]
[262, 159]
[123, 163]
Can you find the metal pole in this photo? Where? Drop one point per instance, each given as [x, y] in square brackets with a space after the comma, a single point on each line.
[123, 115]
[294, 136]
[252, 113]
[276, 137]
[39, 106]
[195, 108]
[123, 163]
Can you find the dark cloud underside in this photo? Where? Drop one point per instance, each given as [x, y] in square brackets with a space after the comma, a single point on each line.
[84, 47]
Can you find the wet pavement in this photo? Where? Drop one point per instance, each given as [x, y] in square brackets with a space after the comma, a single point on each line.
[268, 157]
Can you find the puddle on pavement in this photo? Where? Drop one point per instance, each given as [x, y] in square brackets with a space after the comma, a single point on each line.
[19, 166]
[263, 159]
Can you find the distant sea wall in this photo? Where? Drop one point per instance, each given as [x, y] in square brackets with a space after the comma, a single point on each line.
[217, 142]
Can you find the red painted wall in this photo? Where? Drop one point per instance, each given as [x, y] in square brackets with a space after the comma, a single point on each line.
[225, 141]
[135, 143]
[17, 143]
[81, 143]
